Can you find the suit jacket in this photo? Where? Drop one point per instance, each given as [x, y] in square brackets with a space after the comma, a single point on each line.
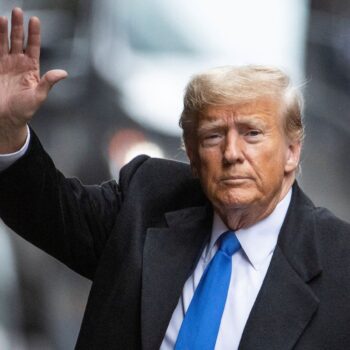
[139, 240]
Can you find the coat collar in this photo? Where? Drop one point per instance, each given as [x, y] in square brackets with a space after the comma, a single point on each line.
[286, 302]
[170, 255]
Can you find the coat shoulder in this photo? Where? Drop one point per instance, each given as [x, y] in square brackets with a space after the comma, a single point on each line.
[326, 221]
[334, 244]
[160, 182]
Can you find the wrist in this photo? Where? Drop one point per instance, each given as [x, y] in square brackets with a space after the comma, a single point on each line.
[12, 141]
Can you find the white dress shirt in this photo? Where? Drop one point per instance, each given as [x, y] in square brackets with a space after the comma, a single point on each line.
[8, 159]
[249, 267]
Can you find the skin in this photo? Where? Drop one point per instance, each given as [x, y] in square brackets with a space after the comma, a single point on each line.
[244, 160]
[22, 90]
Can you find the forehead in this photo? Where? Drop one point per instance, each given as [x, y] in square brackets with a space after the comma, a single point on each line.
[266, 111]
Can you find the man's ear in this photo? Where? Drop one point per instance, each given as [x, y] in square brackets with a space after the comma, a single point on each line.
[293, 157]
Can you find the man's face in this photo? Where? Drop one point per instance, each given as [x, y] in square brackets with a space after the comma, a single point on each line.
[242, 155]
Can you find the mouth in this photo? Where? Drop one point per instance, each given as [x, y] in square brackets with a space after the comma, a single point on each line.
[234, 180]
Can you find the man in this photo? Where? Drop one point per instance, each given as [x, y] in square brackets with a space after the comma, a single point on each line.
[235, 256]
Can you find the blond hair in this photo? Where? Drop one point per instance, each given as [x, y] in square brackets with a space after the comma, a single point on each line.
[230, 85]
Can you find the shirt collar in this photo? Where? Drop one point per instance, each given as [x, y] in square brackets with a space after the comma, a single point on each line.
[257, 241]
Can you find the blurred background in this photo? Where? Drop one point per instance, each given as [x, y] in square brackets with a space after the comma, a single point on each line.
[128, 63]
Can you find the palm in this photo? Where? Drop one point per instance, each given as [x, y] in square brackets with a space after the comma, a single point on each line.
[21, 89]
[19, 78]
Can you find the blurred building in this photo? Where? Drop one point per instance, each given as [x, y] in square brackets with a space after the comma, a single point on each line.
[326, 158]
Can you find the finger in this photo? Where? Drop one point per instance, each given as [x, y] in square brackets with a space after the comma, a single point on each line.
[48, 81]
[33, 45]
[4, 42]
[17, 33]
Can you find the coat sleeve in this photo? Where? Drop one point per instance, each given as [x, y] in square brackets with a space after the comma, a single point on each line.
[60, 215]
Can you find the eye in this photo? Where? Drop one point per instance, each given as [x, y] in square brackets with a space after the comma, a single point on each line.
[211, 139]
[211, 136]
[253, 133]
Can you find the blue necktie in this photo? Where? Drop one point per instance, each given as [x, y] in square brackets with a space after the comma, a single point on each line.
[200, 326]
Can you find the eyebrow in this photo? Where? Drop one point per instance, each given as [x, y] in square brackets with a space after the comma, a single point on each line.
[208, 122]
[211, 123]
[253, 120]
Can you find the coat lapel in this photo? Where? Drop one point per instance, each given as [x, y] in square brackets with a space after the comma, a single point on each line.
[286, 302]
[282, 310]
[170, 255]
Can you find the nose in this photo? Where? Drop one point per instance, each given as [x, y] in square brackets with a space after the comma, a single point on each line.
[232, 152]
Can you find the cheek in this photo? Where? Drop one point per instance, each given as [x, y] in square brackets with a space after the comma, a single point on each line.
[209, 160]
[209, 168]
[268, 162]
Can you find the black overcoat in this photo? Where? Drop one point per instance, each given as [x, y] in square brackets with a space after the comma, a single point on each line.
[139, 240]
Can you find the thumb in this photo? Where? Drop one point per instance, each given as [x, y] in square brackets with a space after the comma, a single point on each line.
[48, 80]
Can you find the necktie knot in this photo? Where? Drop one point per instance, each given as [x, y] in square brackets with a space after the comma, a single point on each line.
[229, 243]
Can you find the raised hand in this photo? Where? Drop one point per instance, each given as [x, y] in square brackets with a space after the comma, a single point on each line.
[22, 90]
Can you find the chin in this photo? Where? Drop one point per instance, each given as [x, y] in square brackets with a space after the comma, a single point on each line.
[235, 199]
